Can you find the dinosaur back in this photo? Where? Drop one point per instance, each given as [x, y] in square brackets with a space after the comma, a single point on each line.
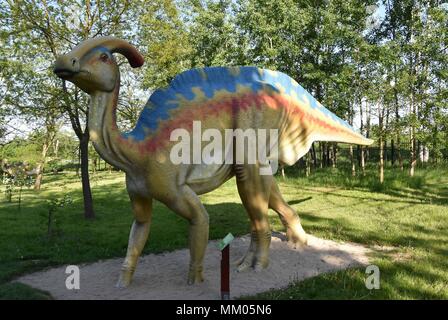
[196, 93]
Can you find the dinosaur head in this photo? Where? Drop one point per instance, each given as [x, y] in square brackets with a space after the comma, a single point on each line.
[91, 65]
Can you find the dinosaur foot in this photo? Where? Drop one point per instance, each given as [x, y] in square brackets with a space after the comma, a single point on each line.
[125, 279]
[195, 275]
[297, 237]
[252, 261]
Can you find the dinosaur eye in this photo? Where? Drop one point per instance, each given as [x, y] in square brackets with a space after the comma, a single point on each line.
[104, 57]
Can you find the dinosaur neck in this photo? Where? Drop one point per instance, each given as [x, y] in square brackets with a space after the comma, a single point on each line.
[103, 129]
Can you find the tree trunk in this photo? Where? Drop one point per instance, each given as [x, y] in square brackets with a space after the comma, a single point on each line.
[368, 126]
[95, 160]
[385, 127]
[325, 154]
[56, 148]
[361, 148]
[381, 140]
[352, 160]
[38, 182]
[413, 153]
[381, 143]
[321, 152]
[334, 158]
[419, 152]
[78, 165]
[363, 162]
[308, 164]
[400, 158]
[412, 65]
[413, 140]
[423, 157]
[86, 191]
[313, 149]
[392, 152]
[40, 167]
[397, 129]
[358, 154]
[20, 198]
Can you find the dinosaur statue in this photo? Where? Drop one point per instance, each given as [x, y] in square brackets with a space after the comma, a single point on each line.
[220, 98]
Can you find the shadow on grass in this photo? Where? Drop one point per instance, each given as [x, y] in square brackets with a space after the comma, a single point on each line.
[292, 202]
[20, 291]
[410, 235]
[397, 183]
[397, 281]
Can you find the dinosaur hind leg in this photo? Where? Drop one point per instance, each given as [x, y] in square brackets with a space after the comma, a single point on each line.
[288, 216]
[188, 205]
[142, 208]
[254, 191]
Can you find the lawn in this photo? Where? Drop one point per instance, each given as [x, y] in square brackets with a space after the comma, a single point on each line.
[407, 218]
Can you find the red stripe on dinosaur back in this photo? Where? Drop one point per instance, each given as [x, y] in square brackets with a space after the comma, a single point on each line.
[184, 117]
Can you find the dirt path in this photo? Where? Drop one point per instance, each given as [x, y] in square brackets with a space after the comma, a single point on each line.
[163, 276]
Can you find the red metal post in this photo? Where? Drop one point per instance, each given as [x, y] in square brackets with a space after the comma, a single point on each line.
[225, 283]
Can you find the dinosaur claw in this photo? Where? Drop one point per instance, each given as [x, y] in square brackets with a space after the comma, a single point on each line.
[123, 282]
[125, 278]
[261, 263]
[254, 261]
[192, 281]
[297, 237]
[195, 276]
[258, 267]
[245, 262]
[243, 267]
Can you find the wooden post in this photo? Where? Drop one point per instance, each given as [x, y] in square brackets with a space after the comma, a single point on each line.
[224, 246]
[225, 281]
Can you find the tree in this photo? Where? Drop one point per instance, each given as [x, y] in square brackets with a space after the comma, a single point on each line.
[165, 33]
[39, 32]
[416, 33]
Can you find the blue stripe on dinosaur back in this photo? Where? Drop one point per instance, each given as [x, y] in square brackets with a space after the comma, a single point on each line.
[210, 80]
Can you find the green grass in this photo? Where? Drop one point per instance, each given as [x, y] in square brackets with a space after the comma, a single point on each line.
[409, 215]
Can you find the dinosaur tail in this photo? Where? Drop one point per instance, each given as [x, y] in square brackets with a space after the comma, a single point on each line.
[324, 125]
[341, 134]
[309, 121]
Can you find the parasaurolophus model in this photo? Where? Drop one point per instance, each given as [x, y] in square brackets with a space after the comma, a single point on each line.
[220, 98]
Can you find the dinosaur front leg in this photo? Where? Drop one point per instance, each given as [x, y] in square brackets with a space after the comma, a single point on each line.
[288, 216]
[188, 205]
[142, 208]
[254, 190]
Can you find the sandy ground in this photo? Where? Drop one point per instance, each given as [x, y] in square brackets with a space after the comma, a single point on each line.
[163, 276]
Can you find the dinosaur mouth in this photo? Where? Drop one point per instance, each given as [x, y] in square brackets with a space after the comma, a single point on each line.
[64, 73]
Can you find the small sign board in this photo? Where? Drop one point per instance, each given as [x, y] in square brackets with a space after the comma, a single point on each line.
[226, 241]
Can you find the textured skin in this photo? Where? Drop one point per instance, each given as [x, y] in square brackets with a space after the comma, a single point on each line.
[221, 98]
